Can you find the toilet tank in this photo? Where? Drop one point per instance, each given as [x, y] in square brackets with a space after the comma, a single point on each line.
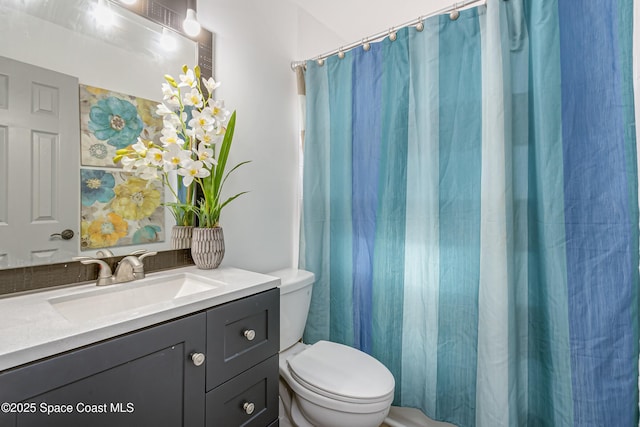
[295, 298]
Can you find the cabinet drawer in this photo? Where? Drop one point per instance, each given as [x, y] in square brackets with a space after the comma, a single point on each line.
[250, 399]
[241, 334]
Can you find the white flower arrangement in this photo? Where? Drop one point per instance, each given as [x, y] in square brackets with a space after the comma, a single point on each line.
[194, 125]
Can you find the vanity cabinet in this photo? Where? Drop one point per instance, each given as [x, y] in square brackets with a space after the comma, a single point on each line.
[217, 367]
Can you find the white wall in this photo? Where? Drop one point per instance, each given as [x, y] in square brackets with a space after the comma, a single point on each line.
[254, 44]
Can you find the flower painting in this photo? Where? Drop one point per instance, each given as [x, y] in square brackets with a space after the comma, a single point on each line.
[110, 121]
[119, 209]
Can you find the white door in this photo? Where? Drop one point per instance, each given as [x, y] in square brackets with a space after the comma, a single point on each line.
[39, 164]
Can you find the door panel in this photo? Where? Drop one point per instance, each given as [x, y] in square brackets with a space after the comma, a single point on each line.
[4, 170]
[39, 164]
[4, 91]
[45, 151]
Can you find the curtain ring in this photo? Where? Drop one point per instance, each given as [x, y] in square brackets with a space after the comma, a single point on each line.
[420, 24]
[366, 45]
[340, 53]
[393, 35]
[455, 13]
[320, 62]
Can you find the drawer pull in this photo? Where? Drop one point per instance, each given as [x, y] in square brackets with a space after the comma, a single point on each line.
[197, 358]
[248, 408]
[249, 334]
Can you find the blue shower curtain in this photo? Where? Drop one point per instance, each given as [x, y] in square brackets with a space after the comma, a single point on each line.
[470, 210]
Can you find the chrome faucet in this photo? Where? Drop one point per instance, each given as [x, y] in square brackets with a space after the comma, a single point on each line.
[129, 268]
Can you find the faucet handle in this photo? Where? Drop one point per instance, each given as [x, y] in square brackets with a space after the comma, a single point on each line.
[104, 276]
[146, 254]
[104, 253]
[105, 270]
[143, 253]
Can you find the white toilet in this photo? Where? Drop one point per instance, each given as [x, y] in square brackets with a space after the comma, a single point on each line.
[325, 384]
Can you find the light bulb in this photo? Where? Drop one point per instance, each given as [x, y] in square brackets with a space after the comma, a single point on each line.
[190, 25]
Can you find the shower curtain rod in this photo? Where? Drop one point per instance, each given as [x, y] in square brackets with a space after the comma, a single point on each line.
[418, 22]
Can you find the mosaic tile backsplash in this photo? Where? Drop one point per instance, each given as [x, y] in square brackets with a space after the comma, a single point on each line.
[40, 277]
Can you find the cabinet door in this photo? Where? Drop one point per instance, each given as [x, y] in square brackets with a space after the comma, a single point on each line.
[241, 334]
[145, 378]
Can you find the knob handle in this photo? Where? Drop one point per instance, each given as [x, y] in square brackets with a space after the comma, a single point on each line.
[197, 358]
[248, 408]
[249, 334]
[64, 234]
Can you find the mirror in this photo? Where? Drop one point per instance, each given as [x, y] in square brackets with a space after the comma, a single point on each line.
[125, 57]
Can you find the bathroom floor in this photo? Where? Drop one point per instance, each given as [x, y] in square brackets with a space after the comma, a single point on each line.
[398, 417]
[410, 417]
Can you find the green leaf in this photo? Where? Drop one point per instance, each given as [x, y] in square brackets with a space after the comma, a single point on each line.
[212, 186]
[224, 154]
[230, 199]
[182, 212]
[229, 173]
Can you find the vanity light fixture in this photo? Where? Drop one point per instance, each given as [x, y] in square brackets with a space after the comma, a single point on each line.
[190, 25]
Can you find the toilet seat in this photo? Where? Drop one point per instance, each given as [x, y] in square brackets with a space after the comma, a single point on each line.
[342, 373]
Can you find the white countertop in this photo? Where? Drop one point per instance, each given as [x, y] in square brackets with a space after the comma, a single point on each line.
[31, 328]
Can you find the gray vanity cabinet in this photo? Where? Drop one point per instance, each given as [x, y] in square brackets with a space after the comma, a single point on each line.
[157, 377]
[143, 378]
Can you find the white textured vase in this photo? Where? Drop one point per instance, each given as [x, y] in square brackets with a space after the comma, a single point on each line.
[207, 247]
[181, 236]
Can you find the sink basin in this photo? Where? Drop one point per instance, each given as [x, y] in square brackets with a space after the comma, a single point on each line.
[130, 296]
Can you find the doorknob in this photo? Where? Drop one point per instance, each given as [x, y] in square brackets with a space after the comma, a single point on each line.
[64, 235]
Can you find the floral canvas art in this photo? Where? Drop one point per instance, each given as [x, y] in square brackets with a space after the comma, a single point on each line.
[119, 209]
[110, 121]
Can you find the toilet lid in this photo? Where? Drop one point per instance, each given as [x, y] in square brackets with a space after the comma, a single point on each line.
[341, 372]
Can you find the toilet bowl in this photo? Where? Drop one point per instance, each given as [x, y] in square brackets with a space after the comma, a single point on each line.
[325, 384]
[332, 385]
